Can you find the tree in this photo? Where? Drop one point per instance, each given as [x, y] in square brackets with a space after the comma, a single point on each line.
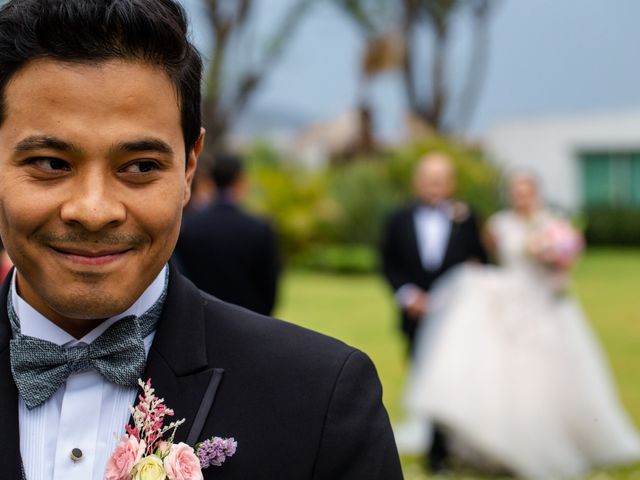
[229, 88]
[383, 52]
[430, 97]
[431, 102]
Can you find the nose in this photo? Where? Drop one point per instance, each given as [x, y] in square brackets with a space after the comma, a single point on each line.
[93, 203]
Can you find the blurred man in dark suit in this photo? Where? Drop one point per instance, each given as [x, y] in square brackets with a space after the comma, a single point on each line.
[422, 242]
[227, 252]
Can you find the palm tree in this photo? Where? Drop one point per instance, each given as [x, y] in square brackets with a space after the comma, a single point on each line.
[434, 100]
[389, 28]
[383, 52]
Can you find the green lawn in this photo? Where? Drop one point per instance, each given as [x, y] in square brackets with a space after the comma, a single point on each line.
[359, 310]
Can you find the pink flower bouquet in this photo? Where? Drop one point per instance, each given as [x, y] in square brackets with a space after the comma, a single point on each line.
[556, 244]
[147, 451]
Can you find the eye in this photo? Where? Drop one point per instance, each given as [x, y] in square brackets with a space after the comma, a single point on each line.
[50, 164]
[141, 166]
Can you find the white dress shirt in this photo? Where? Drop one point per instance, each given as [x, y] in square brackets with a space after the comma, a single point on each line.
[87, 412]
[433, 229]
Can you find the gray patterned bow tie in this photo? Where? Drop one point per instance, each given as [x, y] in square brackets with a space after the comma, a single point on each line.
[40, 367]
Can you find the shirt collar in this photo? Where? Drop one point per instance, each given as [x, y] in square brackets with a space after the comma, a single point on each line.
[440, 207]
[34, 324]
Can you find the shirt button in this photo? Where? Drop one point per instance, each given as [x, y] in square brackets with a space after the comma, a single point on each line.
[76, 454]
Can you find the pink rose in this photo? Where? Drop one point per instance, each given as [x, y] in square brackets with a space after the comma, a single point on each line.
[127, 453]
[182, 463]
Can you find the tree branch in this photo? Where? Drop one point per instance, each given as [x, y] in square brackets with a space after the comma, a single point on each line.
[479, 61]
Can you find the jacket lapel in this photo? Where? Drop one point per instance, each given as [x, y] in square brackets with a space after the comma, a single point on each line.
[412, 236]
[453, 232]
[10, 460]
[177, 363]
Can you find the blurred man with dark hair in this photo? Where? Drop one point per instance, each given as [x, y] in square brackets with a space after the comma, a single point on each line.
[227, 252]
[227, 172]
[100, 133]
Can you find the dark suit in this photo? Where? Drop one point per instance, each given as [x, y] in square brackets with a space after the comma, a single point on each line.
[231, 255]
[401, 259]
[299, 404]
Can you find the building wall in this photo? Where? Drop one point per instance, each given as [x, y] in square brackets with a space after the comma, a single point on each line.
[551, 147]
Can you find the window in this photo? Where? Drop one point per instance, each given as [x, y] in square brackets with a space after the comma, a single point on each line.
[611, 178]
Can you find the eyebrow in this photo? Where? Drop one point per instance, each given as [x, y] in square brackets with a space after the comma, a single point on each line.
[144, 145]
[37, 142]
[48, 142]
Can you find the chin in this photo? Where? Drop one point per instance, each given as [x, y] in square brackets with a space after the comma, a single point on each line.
[90, 304]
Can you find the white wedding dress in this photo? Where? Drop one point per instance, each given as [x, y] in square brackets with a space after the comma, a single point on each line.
[508, 366]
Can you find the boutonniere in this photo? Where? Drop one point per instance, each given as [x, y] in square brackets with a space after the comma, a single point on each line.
[460, 212]
[147, 451]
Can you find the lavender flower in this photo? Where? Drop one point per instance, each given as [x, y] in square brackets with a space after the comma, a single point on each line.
[215, 451]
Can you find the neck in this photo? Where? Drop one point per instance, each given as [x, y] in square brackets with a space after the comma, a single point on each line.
[77, 327]
[434, 203]
[227, 196]
[526, 212]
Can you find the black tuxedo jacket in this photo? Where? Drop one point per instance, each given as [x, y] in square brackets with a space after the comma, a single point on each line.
[401, 262]
[299, 404]
[230, 254]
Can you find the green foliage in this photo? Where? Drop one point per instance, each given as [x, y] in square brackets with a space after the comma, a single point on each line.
[369, 189]
[348, 259]
[327, 219]
[295, 202]
[613, 226]
[478, 182]
[365, 195]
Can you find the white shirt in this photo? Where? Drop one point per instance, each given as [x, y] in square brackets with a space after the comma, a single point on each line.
[433, 229]
[88, 412]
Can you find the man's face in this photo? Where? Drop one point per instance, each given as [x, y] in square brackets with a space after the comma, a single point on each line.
[92, 184]
[434, 180]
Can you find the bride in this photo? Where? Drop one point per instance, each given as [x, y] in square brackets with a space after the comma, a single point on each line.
[507, 365]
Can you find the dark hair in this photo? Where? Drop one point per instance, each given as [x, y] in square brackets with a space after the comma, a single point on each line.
[226, 170]
[80, 31]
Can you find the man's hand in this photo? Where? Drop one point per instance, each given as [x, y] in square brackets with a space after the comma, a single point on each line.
[418, 306]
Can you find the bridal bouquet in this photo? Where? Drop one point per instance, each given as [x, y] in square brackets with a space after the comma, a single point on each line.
[556, 244]
[147, 451]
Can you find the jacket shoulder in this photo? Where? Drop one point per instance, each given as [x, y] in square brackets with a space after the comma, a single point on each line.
[268, 339]
[401, 215]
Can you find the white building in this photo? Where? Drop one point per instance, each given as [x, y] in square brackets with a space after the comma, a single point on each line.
[582, 160]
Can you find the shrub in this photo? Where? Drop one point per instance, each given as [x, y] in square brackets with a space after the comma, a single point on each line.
[332, 218]
[613, 226]
[351, 259]
[367, 190]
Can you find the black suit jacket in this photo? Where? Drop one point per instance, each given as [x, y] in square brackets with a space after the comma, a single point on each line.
[299, 404]
[401, 260]
[231, 255]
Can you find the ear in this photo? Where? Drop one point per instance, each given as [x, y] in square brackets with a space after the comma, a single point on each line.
[192, 163]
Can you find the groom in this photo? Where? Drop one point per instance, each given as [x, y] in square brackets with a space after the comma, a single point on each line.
[422, 242]
[427, 238]
[99, 138]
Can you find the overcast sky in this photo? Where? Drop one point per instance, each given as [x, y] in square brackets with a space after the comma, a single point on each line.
[547, 57]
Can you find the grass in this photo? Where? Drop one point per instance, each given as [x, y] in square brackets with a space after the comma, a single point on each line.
[359, 311]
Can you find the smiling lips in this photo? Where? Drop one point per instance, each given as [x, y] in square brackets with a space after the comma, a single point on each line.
[92, 257]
